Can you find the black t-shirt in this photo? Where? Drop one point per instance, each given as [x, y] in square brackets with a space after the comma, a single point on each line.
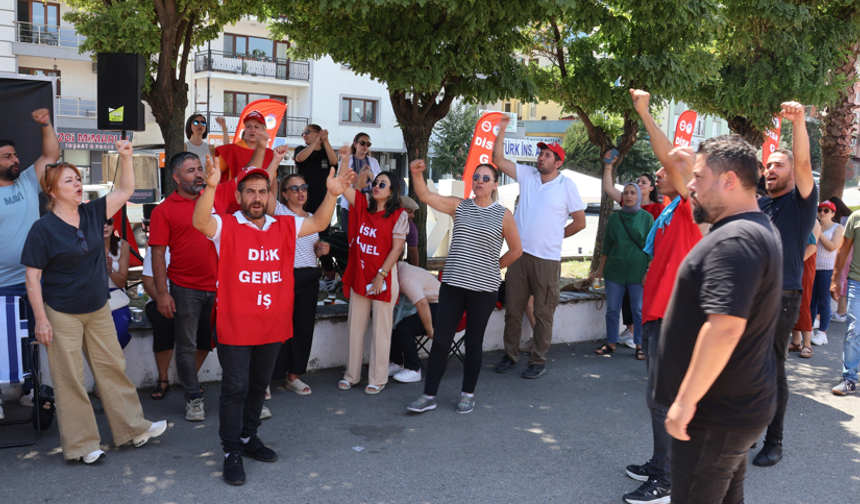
[735, 270]
[74, 281]
[315, 170]
[794, 217]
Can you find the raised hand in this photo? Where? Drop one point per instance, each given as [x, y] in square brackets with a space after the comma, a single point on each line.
[503, 122]
[263, 136]
[124, 148]
[418, 166]
[793, 111]
[641, 99]
[280, 152]
[42, 116]
[344, 152]
[324, 136]
[213, 171]
[336, 185]
[682, 158]
[221, 122]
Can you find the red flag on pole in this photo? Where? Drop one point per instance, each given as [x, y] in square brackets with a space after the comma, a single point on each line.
[771, 143]
[684, 129]
[481, 149]
[272, 110]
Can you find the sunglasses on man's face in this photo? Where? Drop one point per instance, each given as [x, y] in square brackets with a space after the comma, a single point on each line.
[364, 143]
[485, 178]
[297, 188]
[199, 122]
[380, 184]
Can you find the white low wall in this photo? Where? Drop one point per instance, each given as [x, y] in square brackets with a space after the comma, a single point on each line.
[574, 321]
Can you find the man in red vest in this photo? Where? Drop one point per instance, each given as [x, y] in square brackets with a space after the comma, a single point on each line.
[254, 300]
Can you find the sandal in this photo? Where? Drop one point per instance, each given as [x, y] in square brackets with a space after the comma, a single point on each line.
[806, 352]
[159, 391]
[605, 350]
[373, 389]
[344, 385]
[794, 347]
[298, 386]
[640, 355]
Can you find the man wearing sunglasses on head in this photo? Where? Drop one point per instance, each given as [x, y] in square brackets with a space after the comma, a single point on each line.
[547, 200]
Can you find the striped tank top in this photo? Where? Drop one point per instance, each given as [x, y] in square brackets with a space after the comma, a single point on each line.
[476, 241]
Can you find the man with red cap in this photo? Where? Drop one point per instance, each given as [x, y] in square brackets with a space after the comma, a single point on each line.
[547, 200]
[254, 301]
[235, 156]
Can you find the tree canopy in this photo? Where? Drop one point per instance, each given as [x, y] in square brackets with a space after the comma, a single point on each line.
[452, 139]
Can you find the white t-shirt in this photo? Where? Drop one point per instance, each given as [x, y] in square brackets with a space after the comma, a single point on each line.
[374, 168]
[543, 211]
[147, 265]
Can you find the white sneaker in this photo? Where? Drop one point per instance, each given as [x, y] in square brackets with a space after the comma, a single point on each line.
[408, 376]
[819, 338]
[393, 368]
[26, 400]
[155, 430]
[626, 338]
[268, 393]
[194, 411]
[2, 413]
[839, 318]
[92, 458]
[265, 413]
[816, 324]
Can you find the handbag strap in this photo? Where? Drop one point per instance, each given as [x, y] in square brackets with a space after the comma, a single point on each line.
[640, 247]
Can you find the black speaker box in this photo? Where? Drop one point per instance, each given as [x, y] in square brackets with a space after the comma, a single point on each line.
[120, 79]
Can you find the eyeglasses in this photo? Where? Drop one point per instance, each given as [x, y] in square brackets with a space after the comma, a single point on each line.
[109, 222]
[308, 132]
[84, 246]
[381, 185]
[198, 122]
[297, 188]
[364, 143]
[477, 177]
[54, 165]
[824, 210]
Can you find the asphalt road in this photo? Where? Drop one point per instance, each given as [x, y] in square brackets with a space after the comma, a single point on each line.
[564, 438]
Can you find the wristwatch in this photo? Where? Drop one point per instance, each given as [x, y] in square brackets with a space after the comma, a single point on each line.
[383, 273]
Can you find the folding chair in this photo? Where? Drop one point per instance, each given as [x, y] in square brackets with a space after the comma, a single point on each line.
[14, 338]
[456, 346]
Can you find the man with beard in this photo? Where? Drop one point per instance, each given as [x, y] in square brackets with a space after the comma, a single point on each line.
[255, 301]
[791, 203]
[191, 272]
[547, 199]
[716, 370]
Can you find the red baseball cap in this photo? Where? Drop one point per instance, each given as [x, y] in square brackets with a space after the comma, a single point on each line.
[828, 204]
[250, 170]
[255, 115]
[555, 147]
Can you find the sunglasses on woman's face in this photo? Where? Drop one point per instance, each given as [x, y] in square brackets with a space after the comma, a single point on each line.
[364, 143]
[485, 178]
[823, 210]
[308, 132]
[109, 222]
[199, 122]
[381, 185]
[297, 188]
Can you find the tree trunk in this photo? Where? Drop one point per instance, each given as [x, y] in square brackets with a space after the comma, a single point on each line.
[837, 130]
[741, 126]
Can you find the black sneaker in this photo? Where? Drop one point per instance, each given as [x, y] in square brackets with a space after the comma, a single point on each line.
[234, 471]
[650, 492]
[534, 371]
[770, 454]
[257, 450]
[506, 365]
[639, 472]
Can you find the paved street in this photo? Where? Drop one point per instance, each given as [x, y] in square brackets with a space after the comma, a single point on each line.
[564, 438]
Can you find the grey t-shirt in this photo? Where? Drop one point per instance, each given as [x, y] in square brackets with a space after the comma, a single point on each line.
[19, 209]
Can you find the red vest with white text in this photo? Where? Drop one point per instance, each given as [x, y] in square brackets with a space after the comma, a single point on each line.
[255, 282]
[370, 241]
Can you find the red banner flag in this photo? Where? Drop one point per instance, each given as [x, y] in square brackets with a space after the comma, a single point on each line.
[684, 129]
[481, 149]
[272, 110]
[771, 143]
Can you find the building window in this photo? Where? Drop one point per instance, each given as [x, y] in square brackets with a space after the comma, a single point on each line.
[715, 128]
[358, 110]
[36, 12]
[235, 102]
[700, 127]
[255, 47]
[507, 107]
[533, 110]
[43, 73]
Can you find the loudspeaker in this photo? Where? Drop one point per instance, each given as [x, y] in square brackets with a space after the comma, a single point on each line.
[120, 79]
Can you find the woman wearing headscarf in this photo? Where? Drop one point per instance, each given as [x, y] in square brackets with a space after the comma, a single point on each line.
[623, 265]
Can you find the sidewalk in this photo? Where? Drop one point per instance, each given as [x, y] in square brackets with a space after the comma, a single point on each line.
[564, 438]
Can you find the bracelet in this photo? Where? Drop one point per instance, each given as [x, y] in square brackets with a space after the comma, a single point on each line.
[382, 272]
[45, 125]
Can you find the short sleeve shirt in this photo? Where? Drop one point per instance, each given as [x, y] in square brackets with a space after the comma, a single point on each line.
[74, 267]
[735, 270]
[543, 211]
[417, 283]
[314, 170]
[19, 210]
[794, 217]
[412, 235]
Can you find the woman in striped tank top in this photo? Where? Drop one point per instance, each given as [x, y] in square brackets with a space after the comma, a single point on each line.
[471, 279]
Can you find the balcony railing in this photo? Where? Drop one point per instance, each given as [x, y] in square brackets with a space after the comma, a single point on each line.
[52, 35]
[243, 64]
[290, 126]
[72, 106]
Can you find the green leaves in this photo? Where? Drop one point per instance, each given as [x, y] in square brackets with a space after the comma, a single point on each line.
[452, 139]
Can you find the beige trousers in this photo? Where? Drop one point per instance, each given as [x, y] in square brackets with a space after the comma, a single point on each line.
[95, 335]
[380, 344]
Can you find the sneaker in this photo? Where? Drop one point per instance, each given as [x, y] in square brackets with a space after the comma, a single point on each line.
[155, 430]
[268, 393]
[466, 404]
[639, 472]
[408, 376]
[845, 387]
[265, 413]
[255, 449]
[650, 492]
[234, 471]
[839, 318]
[332, 284]
[626, 338]
[92, 458]
[393, 369]
[422, 404]
[534, 371]
[770, 455]
[819, 338]
[816, 323]
[26, 400]
[194, 410]
[506, 365]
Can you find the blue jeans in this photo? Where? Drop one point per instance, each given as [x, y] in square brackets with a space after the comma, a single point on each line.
[820, 302]
[614, 297]
[851, 347]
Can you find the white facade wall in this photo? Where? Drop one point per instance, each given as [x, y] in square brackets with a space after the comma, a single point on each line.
[7, 35]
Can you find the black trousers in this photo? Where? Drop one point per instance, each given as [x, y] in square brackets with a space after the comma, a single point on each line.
[294, 354]
[404, 351]
[710, 468]
[326, 261]
[453, 301]
[787, 318]
[626, 310]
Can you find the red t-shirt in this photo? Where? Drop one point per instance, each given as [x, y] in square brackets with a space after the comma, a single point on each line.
[655, 209]
[225, 198]
[236, 156]
[192, 255]
[671, 246]
[255, 291]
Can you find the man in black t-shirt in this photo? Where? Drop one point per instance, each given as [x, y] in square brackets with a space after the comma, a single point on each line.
[716, 369]
[791, 204]
[313, 162]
